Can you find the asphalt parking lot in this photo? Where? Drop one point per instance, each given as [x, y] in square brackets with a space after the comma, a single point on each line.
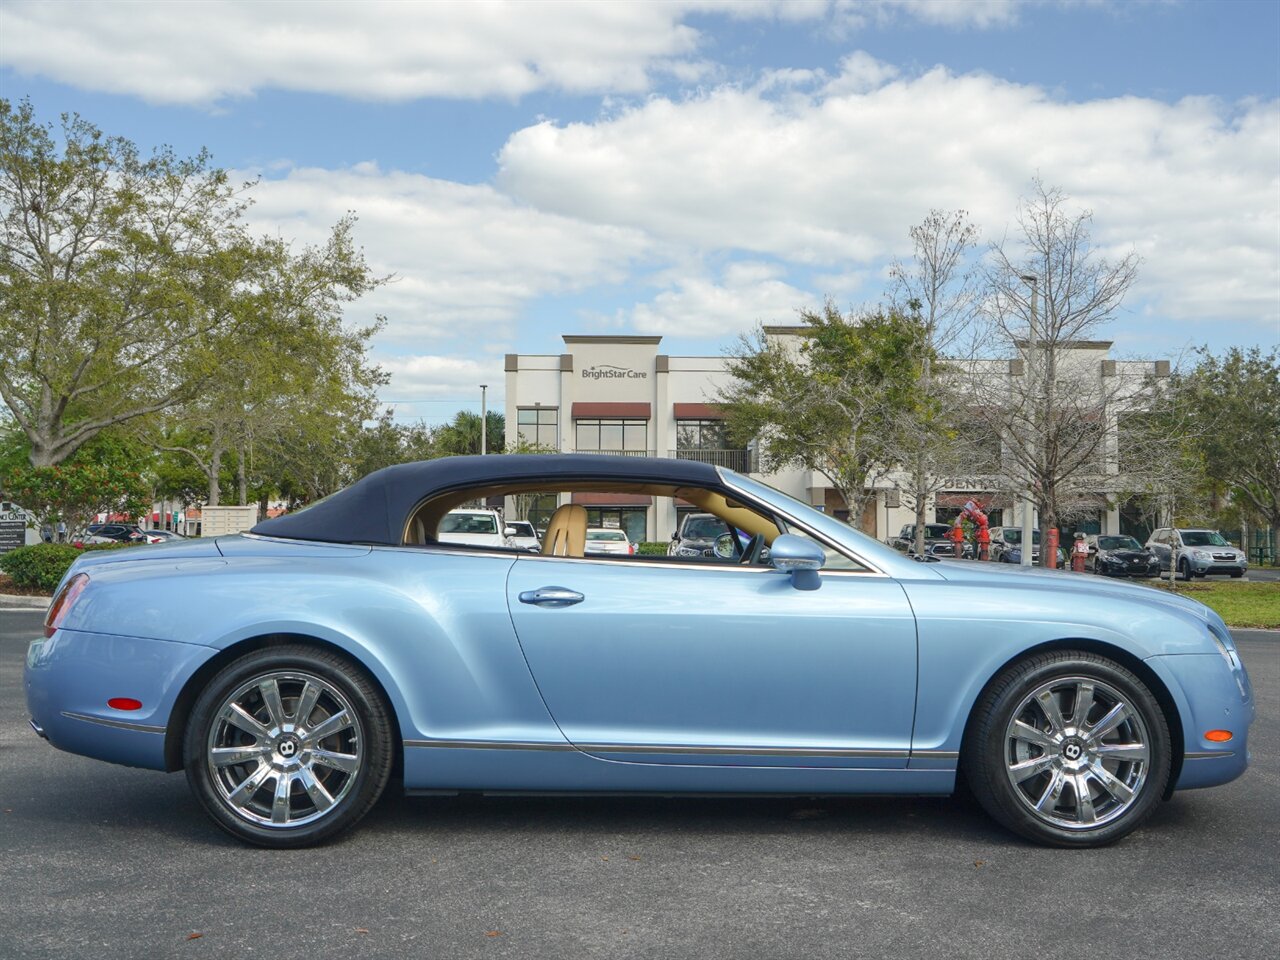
[104, 861]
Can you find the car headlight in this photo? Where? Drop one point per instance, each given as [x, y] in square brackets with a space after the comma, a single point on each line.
[688, 552]
[1202, 554]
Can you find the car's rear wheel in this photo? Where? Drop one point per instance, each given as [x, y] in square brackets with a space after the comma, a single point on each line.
[1069, 749]
[288, 746]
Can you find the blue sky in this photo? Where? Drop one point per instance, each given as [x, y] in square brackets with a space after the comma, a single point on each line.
[692, 169]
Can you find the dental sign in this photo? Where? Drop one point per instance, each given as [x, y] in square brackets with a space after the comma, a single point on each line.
[608, 371]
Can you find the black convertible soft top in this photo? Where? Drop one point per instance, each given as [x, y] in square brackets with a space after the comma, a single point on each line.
[376, 508]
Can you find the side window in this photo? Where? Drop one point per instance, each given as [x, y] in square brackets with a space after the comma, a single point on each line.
[835, 559]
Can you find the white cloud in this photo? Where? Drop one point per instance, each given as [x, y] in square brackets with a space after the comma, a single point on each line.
[467, 259]
[433, 387]
[201, 52]
[834, 179]
[748, 293]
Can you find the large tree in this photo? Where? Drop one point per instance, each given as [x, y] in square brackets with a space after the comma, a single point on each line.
[1234, 403]
[292, 364]
[1049, 294]
[828, 403]
[115, 268]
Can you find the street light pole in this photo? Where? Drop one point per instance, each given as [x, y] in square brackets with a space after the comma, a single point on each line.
[484, 419]
[1028, 546]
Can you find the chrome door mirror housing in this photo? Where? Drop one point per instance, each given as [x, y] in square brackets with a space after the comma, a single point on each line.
[800, 557]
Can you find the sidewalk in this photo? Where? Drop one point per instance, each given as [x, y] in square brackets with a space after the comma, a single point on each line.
[11, 602]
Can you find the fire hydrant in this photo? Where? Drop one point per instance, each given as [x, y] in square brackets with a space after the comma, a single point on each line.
[1079, 553]
[957, 537]
[984, 543]
[1049, 558]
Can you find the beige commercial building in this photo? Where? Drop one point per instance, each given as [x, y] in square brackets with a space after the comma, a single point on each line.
[620, 395]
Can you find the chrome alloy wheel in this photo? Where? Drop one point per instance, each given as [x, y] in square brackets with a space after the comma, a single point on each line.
[285, 749]
[1077, 753]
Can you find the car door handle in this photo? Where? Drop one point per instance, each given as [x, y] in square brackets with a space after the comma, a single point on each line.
[552, 597]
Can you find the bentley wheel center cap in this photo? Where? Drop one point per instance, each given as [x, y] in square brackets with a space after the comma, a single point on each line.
[1072, 750]
[288, 748]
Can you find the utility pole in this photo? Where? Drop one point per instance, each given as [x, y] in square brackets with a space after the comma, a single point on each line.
[484, 419]
[1028, 547]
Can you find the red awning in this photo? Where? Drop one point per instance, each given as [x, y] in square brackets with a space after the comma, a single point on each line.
[619, 411]
[699, 411]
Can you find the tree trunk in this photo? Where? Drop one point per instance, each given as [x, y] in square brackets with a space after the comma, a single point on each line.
[212, 473]
[242, 481]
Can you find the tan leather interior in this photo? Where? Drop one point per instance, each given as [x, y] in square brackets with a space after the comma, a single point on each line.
[566, 534]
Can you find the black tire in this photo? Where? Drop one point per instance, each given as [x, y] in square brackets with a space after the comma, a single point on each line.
[998, 761]
[333, 761]
[1236, 574]
[1184, 569]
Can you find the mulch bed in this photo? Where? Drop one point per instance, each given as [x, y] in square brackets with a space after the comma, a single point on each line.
[8, 586]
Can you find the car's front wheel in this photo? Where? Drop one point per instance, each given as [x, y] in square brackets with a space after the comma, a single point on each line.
[1069, 749]
[288, 746]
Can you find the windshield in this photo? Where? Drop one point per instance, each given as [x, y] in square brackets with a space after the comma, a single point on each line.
[1203, 538]
[1118, 543]
[1014, 535]
[704, 528]
[521, 528]
[606, 535]
[468, 523]
[936, 531]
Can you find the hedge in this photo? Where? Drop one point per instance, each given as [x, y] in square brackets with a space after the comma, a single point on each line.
[649, 548]
[42, 565]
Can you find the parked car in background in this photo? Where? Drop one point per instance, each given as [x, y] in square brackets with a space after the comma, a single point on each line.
[936, 541]
[524, 537]
[166, 536]
[1006, 546]
[123, 532]
[1120, 556]
[604, 540]
[83, 538]
[475, 528]
[697, 535]
[296, 671]
[1200, 552]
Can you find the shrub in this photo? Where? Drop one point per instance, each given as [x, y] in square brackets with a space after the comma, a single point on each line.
[650, 548]
[43, 565]
[39, 567]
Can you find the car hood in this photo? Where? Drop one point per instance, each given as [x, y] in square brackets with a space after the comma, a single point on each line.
[1064, 581]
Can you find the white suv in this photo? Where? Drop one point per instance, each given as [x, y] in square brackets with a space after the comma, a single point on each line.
[474, 528]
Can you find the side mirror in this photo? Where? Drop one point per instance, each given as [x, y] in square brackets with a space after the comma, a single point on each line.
[800, 557]
[510, 532]
[675, 534]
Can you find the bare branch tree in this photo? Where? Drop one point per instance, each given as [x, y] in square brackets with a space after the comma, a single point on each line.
[1054, 402]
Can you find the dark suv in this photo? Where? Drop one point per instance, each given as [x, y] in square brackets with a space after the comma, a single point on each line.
[936, 541]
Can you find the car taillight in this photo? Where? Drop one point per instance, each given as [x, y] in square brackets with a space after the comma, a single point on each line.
[631, 549]
[61, 605]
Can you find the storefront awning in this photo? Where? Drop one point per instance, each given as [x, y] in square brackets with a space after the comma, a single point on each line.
[699, 411]
[619, 411]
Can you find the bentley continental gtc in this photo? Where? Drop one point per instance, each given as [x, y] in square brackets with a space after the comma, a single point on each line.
[292, 671]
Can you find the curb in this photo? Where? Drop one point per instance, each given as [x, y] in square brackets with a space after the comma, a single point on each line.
[13, 602]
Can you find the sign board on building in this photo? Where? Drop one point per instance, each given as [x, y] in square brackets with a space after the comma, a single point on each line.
[224, 521]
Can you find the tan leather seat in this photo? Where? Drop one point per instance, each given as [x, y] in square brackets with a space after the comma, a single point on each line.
[566, 534]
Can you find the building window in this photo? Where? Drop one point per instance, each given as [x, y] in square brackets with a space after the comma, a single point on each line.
[609, 435]
[537, 426]
[700, 435]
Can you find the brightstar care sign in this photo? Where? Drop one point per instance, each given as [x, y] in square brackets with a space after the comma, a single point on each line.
[607, 371]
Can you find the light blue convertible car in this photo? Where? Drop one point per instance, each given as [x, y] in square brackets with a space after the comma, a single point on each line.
[293, 670]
